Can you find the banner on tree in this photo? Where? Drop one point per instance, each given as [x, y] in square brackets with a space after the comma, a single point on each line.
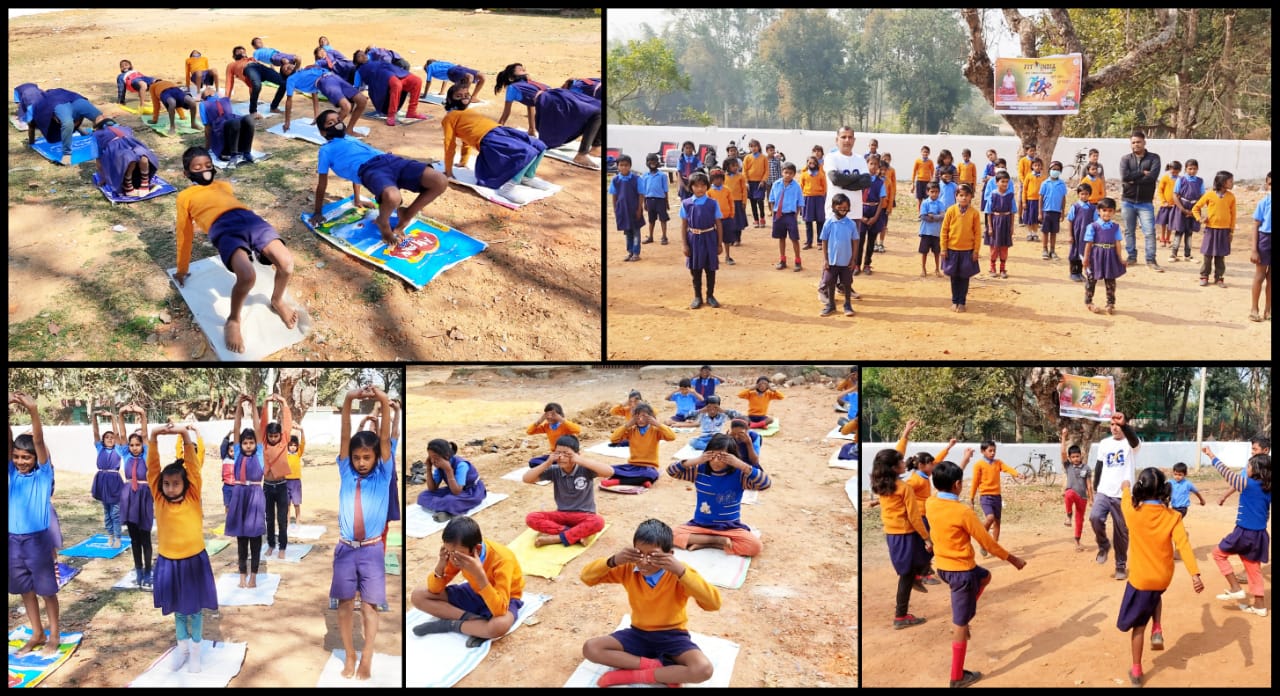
[1087, 397]
[1038, 86]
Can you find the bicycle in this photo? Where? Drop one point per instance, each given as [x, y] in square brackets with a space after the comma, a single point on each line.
[1038, 468]
[1078, 168]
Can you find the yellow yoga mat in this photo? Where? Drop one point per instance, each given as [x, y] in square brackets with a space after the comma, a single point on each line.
[547, 561]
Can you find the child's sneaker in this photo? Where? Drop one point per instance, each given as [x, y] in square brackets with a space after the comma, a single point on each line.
[1044, 255]
[781, 265]
[848, 309]
[1229, 595]
[932, 580]
[907, 621]
[918, 586]
[1260, 611]
[1004, 274]
[711, 301]
[1135, 678]
[827, 311]
[1157, 640]
[968, 679]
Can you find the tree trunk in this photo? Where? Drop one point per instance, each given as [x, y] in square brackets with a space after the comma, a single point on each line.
[1227, 93]
[1184, 117]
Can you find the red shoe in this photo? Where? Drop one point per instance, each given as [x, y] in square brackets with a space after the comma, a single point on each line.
[413, 114]
[609, 483]
[648, 484]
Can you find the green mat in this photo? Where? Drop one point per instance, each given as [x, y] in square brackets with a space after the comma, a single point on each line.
[392, 563]
[771, 430]
[394, 539]
[213, 546]
[162, 126]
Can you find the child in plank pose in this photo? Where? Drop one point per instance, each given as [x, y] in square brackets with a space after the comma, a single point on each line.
[137, 510]
[758, 402]
[719, 477]
[454, 486]
[390, 86]
[31, 547]
[901, 513]
[554, 425]
[1102, 257]
[556, 116]
[643, 432]
[686, 402]
[364, 474]
[574, 518]
[297, 448]
[1077, 489]
[628, 206]
[1260, 254]
[275, 458]
[954, 524]
[184, 583]
[986, 482]
[1249, 539]
[484, 607]
[1152, 526]
[961, 243]
[270, 56]
[246, 512]
[656, 648]
[125, 164]
[1217, 208]
[319, 81]
[703, 238]
[174, 99]
[107, 484]
[654, 187]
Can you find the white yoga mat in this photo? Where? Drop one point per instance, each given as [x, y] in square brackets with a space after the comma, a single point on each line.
[440, 660]
[418, 522]
[438, 100]
[722, 653]
[603, 448]
[689, 429]
[242, 108]
[307, 532]
[687, 452]
[835, 435]
[219, 664]
[230, 594]
[128, 582]
[837, 462]
[518, 476]
[224, 164]
[751, 497]
[851, 488]
[717, 567]
[566, 153]
[467, 177]
[385, 673]
[304, 129]
[208, 295]
[293, 553]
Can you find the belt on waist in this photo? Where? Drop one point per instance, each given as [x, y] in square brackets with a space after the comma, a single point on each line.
[1103, 246]
[277, 482]
[709, 229]
[246, 483]
[358, 544]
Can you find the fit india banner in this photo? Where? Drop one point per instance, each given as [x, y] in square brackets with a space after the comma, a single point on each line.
[1087, 397]
[1049, 85]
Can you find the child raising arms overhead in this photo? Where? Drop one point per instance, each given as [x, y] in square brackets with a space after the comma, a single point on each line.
[31, 551]
[246, 512]
[137, 511]
[107, 483]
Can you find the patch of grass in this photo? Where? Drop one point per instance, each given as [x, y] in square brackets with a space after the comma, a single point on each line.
[377, 288]
[31, 340]
[139, 326]
[497, 223]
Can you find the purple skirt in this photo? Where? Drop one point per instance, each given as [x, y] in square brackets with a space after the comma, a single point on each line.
[1076, 249]
[704, 251]
[1164, 216]
[1001, 231]
[1031, 212]
[815, 209]
[906, 552]
[960, 264]
[393, 504]
[1103, 263]
[562, 114]
[107, 485]
[1137, 607]
[1183, 222]
[441, 500]
[294, 486]
[740, 215]
[54, 532]
[246, 514]
[731, 231]
[1250, 544]
[137, 507]
[755, 190]
[184, 586]
[119, 154]
[1216, 242]
[1264, 248]
[504, 153]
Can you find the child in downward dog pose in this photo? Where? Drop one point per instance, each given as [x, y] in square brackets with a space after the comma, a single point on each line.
[574, 518]
[31, 547]
[184, 578]
[904, 531]
[1249, 539]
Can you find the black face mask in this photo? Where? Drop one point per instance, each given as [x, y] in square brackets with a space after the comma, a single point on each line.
[519, 78]
[203, 178]
[337, 130]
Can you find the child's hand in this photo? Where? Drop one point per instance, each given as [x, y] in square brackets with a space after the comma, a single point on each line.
[968, 452]
[469, 564]
[951, 443]
[667, 562]
[1064, 434]
[1197, 584]
[1017, 562]
[911, 425]
[1208, 452]
[627, 555]
[1124, 485]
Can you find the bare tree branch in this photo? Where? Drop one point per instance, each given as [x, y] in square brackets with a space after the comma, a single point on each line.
[1025, 29]
[1123, 68]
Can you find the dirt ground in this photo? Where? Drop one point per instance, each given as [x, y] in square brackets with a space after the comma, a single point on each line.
[794, 618]
[288, 642]
[1040, 311]
[87, 292]
[1053, 624]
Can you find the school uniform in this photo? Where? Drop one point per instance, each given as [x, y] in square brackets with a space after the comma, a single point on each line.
[704, 387]
[1151, 526]
[728, 230]
[442, 499]
[59, 110]
[1262, 214]
[813, 186]
[1104, 264]
[654, 188]
[230, 223]
[839, 236]
[27, 95]
[642, 465]
[1098, 188]
[273, 57]
[952, 526]
[553, 431]
[702, 214]
[1031, 199]
[1249, 538]
[686, 165]
[318, 81]
[710, 425]
[117, 149]
[967, 173]
[872, 201]
[986, 485]
[393, 488]
[756, 168]
[1188, 190]
[591, 86]
[717, 511]
[504, 153]
[626, 209]
[905, 534]
[183, 581]
[293, 482]
[574, 518]
[359, 557]
[922, 174]
[1164, 195]
[246, 514]
[388, 82]
[659, 622]
[30, 545]
[136, 504]
[563, 116]
[387, 55]
[254, 75]
[947, 193]
[961, 239]
[503, 591]
[737, 185]
[931, 230]
[1180, 494]
[786, 200]
[1080, 215]
[758, 403]
[197, 71]
[357, 161]
[1219, 226]
[448, 72]
[164, 91]
[107, 485]
[1053, 198]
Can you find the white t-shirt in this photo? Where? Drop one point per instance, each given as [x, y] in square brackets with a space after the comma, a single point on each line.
[852, 164]
[1119, 461]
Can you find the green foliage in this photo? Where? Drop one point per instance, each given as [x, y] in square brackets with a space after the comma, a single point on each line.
[641, 75]
[807, 38]
[377, 288]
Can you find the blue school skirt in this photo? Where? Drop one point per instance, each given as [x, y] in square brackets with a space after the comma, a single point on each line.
[184, 585]
[119, 154]
[504, 153]
[246, 515]
[137, 507]
[442, 500]
[562, 114]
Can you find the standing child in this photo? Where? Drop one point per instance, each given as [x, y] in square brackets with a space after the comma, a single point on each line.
[1217, 209]
[184, 577]
[986, 482]
[1031, 200]
[919, 469]
[720, 193]
[873, 148]
[246, 513]
[1260, 254]
[989, 171]
[921, 175]
[31, 547]
[1249, 539]
[656, 648]
[901, 513]
[813, 184]
[932, 211]
[946, 188]
[953, 525]
[137, 509]
[643, 432]
[775, 161]
[871, 223]
[107, 483]
[554, 425]
[756, 168]
[737, 185]
[1077, 489]
[946, 163]
[653, 186]
[686, 402]
[628, 206]
[702, 235]
[967, 170]
[704, 384]
[1102, 257]
[720, 477]
[1152, 526]
[840, 237]
[1024, 175]
[1080, 215]
[785, 200]
[1053, 198]
[1181, 488]
[890, 178]
[1186, 193]
[1097, 185]
[275, 474]
[758, 402]
[226, 451]
[297, 448]
[686, 165]
[454, 486]
[574, 518]
[1000, 208]
[961, 243]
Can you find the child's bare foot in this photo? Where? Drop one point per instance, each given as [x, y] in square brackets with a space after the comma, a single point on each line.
[366, 666]
[546, 540]
[349, 666]
[253, 581]
[235, 343]
[583, 160]
[281, 554]
[32, 644]
[286, 313]
[242, 581]
[388, 235]
[50, 649]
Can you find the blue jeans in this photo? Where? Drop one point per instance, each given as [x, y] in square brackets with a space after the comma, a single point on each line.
[1146, 214]
[111, 518]
[68, 113]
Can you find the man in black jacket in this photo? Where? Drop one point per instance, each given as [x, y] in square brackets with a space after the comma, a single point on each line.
[1139, 172]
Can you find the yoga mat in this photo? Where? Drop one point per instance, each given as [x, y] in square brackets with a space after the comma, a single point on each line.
[307, 532]
[385, 673]
[429, 248]
[127, 582]
[208, 295]
[464, 176]
[161, 126]
[837, 462]
[603, 448]
[31, 669]
[518, 473]
[159, 187]
[722, 653]
[418, 522]
[301, 129]
[96, 547]
[391, 563]
[717, 567]
[751, 497]
[293, 553]
[438, 100]
[835, 435]
[394, 539]
[547, 561]
[400, 120]
[440, 660]
[687, 452]
[685, 429]
[220, 530]
[17, 123]
[214, 545]
[64, 573]
[219, 663]
[566, 153]
[146, 108]
[622, 489]
[224, 164]
[851, 489]
[230, 594]
[264, 109]
[771, 430]
[83, 149]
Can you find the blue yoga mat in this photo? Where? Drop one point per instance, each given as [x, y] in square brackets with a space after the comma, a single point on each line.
[159, 187]
[83, 149]
[96, 547]
[429, 249]
[65, 573]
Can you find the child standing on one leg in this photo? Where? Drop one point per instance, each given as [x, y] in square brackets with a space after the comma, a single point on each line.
[1102, 257]
[901, 512]
[137, 509]
[961, 243]
[1260, 254]
[1217, 208]
[1077, 489]
[654, 187]
[839, 241]
[1080, 215]
[703, 238]
[31, 551]
[785, 200]
[628, 206]
[107, 483]
[1250, 539]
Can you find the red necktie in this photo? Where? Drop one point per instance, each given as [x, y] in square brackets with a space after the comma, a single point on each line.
[359, 515]
[133, 474]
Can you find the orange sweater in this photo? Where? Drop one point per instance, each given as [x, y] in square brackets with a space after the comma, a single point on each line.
[201, 205]
[179, 526]
[567, 427]
[469, 127]
[737, 185]
[723, 197]
[755, 166]
[1151, 527]
[962, 231]
[501, 570]
[1220, 210]
[657, 608]
[813, 185]
[922, 170]
[920, 485]
[968, 172]
[986, 477]
[644, 447]
[901, 511]
[952, 523]
[156, 107]
[757, 403]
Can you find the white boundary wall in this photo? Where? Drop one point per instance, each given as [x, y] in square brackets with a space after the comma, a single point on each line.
[1248, 160]
[1160, 454]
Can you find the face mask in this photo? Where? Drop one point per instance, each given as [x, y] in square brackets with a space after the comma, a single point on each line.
[520, 78]
[203, 178]
[336, 131]
[1054, 173]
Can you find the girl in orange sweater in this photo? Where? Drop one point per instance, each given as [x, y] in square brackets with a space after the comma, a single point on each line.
[903, 516]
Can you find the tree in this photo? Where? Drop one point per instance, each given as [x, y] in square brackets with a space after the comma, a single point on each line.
[918, 52]
[807, 38]
[640, 75]
[1044, 131]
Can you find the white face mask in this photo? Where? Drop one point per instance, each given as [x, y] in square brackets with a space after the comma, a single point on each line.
[1054, 173]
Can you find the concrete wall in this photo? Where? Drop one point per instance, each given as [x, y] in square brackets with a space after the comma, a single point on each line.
[1248, 160]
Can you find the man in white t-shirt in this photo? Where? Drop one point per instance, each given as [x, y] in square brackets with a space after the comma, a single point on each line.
[847, 173]
[1116, 464]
